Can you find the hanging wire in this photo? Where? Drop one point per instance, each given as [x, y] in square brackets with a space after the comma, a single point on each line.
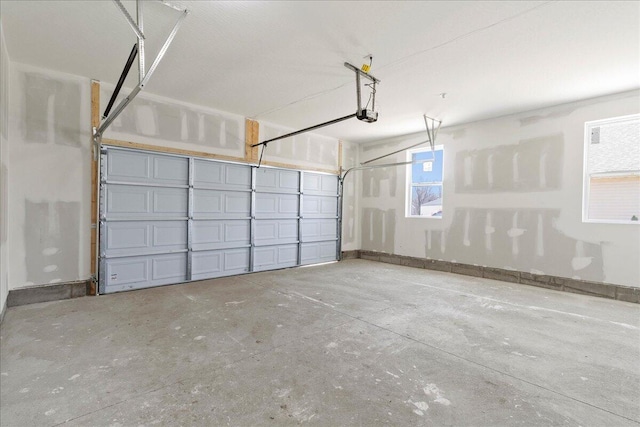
[372, 86]
[367, 106]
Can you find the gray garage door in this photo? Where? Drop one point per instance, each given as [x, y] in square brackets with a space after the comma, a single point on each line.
[168, 219]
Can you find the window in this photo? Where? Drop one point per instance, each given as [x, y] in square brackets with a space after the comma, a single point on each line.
[612, 170]
[425, 183]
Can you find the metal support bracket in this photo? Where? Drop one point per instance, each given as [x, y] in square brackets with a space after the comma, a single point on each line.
[97, 141]
[431, 134]
[144, 77]
[132, 23]
[432, 131]
[367, 115]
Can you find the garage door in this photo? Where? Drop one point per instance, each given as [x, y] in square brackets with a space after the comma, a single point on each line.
[168, 219]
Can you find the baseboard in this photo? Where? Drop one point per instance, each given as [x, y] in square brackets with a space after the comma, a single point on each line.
[46, 293]
[584, 287]
[350, 254]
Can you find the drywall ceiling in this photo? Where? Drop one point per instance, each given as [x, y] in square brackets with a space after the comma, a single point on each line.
[282, 62]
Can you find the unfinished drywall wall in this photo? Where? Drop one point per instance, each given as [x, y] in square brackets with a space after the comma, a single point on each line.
[49, 198]
[530, 165]
[306, 150]
[350, 211]
[51, 240]
[512, 198]
[4, 168]
[525, 239]
[165, 122]
[51, 110]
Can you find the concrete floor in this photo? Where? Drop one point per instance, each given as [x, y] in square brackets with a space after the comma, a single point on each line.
[351, 343]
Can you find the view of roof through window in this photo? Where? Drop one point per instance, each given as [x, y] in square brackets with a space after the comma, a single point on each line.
[612, 170]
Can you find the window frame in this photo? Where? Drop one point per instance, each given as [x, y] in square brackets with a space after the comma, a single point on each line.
[586, 181]
[409, 184]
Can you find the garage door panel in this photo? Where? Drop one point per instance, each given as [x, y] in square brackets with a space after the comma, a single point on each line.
[313, 253]
[128, 166]
[127, 271]
[238, 176]
[272, 257]
[272, 232]
[124, 201]
[123, 236]
[218, 263]
[320, 206]
[144, 271]
[208, 173]
[320, 184]
[169, 201]
[217, 234]
[220, 175]
[277, 180]
[221, 204]
[270, 205]
[236, 260]
[141, 237]
[170, 170]
[319, 229]
[146, 168]
[169, 235]
[169, 267]
[131, 202]
[238, 204]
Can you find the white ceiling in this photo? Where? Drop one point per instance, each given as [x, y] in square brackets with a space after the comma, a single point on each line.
[282, 62]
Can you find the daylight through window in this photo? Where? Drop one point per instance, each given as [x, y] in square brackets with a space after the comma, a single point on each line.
[612, 170]
[425, 183]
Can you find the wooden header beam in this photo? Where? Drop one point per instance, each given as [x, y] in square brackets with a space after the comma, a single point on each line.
[93, 246]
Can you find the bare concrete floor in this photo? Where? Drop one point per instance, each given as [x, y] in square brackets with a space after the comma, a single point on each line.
[351, 343]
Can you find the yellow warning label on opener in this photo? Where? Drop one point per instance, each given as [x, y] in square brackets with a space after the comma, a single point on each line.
[365, 68]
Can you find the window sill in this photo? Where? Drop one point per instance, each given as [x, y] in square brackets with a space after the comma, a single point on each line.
[609, 221]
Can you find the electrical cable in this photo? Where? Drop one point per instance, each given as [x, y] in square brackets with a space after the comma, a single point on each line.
[366, 107]
[373, 92]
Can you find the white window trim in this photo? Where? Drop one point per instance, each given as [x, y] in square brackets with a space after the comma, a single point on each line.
[408, 183]
[585, 172]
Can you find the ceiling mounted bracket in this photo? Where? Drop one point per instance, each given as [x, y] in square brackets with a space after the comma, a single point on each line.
[143, 76]
[432, 132]
[134, 25]
[364, 114]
